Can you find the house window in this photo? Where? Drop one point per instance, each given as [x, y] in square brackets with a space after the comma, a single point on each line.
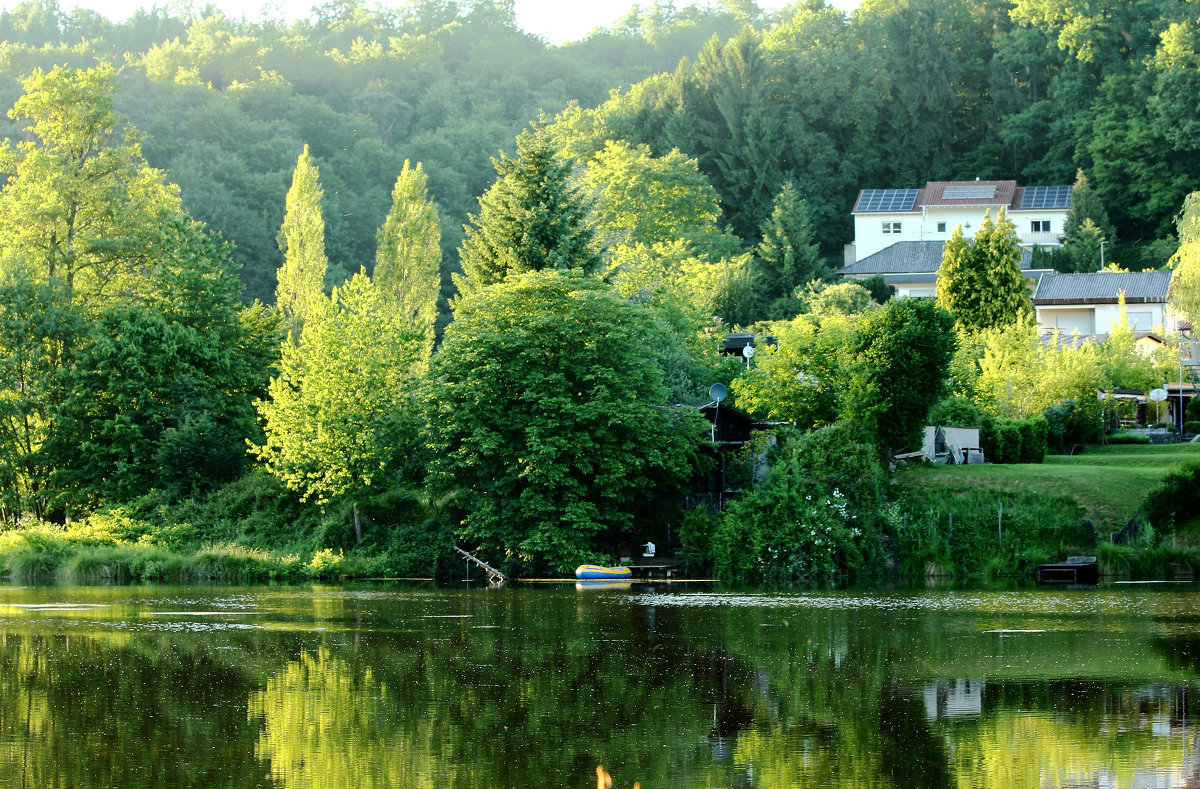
[1139, 320]
[1039, 226]
[891, 228]
[941, 227]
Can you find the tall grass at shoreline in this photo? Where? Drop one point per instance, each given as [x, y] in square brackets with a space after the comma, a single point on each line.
[64, 554]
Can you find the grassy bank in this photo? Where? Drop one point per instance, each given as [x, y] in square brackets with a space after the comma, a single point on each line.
[80, 555]
[250, 531]
[952, 514]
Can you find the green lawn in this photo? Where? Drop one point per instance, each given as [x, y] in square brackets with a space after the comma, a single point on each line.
[1109, 482]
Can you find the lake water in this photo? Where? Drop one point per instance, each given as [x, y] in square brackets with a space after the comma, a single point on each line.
[359, 687]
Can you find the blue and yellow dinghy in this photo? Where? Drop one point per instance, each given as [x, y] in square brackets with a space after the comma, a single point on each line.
[597, 572]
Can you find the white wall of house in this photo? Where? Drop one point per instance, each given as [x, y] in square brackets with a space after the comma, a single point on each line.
[873, 232]
[1100, 318]
[917, 290]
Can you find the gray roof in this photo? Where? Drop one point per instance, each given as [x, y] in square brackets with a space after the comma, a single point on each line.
[910, 257]
[1102, 287]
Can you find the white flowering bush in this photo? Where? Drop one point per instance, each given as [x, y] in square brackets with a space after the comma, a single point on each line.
[813, 519]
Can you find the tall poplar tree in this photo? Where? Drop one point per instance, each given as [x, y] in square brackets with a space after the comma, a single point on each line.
[409, 255]
[531, 219]
[301, 289]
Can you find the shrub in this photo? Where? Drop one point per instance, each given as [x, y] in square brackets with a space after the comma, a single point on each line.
[811, 519]
[1033, 439]
[1121, 437]
[1191, 427]
[1174, 500]
[957, 411]
[1014, 440]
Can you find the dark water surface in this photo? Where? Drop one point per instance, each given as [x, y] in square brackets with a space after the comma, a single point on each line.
[674, 686]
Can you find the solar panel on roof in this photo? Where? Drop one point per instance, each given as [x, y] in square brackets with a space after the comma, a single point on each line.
[887, 200]
[1046, 197]
[972, 192]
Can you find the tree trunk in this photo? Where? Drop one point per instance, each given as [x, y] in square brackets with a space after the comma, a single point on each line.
[357, 525]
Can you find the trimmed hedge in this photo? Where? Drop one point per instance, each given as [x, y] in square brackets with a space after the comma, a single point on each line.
[1014, 440]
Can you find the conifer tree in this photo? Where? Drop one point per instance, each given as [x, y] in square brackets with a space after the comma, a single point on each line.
[958, 281]
[409, 255]
[301, 287]
[1087, 225]
[1004, 298]
[981, 283]
[531, 219]
[787, 256]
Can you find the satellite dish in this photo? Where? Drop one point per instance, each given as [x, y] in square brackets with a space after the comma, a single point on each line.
[748, 351]
[717, 392]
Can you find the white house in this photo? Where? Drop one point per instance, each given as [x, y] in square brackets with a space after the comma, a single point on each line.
[1089, 303]
[883, 217]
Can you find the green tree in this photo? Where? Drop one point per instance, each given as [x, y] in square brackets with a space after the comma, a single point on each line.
[898, 365]
[1084, 249]
[339, 421]
[787, 255]
[300, 293]
[544, 419]
[960, 283]
[531, 219]
[1185, 285]
[1087, 225]
[849, 297]
[409, 256]
[79, 205]
[160, 393]
[799, 379]
[643, 199]
[38, 329]
[980, 282]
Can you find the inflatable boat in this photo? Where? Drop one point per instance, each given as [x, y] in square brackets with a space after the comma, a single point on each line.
[595, 572]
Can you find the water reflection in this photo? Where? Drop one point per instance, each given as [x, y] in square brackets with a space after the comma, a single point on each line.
[383, 687]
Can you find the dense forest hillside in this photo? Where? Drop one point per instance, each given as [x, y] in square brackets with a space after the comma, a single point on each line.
[898, 94]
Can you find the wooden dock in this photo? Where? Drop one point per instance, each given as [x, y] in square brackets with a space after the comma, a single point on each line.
[1076, 570]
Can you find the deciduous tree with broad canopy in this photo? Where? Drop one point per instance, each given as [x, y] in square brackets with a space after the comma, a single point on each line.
[545, 421]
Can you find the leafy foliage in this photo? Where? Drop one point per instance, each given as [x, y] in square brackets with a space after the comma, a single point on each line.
[814, 517]
[408, 258]
[339, 420]
[900, 359]
[300, 294]
[545, 423]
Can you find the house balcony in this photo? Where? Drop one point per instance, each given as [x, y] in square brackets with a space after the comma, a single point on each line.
[1040, 239]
